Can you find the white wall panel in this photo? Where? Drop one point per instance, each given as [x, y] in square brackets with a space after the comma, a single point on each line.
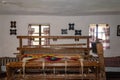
[9, 43]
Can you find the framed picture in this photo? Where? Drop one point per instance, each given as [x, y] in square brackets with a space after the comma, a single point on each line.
[118, 30]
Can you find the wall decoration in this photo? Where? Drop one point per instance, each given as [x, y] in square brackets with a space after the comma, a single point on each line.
[78, 32]
[13, 24]
[71, 26]
[118, 30]
[13, 30]
[76, 39]
[64, 31]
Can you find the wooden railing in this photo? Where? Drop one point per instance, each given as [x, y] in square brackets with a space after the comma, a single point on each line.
[55, 38]
[76, 38]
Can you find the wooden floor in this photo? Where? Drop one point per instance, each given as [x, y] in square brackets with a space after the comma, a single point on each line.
[107, 79]
[109, 75]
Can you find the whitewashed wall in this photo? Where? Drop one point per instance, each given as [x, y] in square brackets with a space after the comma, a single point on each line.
[9, 43]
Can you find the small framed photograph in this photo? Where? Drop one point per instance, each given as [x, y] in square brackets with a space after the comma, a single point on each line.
[118, 30]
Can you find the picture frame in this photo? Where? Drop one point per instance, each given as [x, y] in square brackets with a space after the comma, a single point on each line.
[118, 30]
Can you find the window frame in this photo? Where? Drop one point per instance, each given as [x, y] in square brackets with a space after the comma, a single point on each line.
[93, 31]
[31, 32]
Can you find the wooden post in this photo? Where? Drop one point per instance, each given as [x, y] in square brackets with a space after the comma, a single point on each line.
[101, 61]
[20, 42]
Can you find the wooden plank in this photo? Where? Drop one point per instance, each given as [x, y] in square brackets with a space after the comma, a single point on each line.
[89, 76]
[53, 48]
[53, 64]
[56, 45]
[55, 37]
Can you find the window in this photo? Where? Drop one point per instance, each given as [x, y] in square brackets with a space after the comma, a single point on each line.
[100, 32]
[38, 30]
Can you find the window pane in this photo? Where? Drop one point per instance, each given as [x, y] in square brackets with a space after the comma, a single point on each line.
[38, 30]
[101, 33]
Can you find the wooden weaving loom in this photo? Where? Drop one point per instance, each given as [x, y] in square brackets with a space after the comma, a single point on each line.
[57, 61]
